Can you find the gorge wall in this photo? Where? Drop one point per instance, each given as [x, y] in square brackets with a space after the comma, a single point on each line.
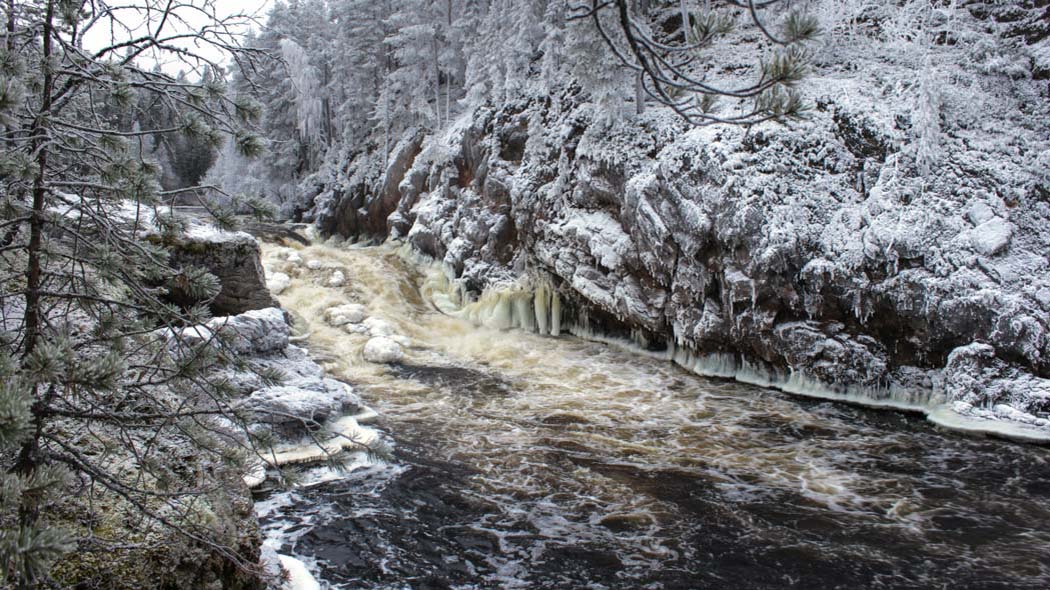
[852, 252]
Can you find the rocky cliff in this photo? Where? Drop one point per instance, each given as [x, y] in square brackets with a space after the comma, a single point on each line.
[863, 252]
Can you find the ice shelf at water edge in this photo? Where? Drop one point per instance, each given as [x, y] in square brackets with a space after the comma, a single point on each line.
[533, 305]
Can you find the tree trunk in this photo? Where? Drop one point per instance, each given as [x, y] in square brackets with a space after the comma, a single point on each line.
[10, 26]
[40, 130]
[29, 454]
[639, 94]
[639, 82]
[685, 20]
[437, 82]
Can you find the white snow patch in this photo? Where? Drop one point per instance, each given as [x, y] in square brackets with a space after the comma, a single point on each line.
[200, 232]
[278, 282]
[381, 349]
[979, 213]
[992, 236]
[348, 313]
[299, 577]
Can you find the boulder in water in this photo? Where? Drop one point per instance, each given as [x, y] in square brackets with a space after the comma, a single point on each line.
[381, 349]
[378, 327]
[349, 313]
[293, 404]
[278, 282]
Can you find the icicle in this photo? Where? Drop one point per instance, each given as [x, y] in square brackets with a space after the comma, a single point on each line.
[541, 303]
[555, 314]
[524, 317]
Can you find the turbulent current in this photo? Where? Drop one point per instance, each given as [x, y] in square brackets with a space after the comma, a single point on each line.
[526, 461]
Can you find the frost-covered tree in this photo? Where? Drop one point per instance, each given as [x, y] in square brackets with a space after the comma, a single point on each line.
[94, 373]
[663, 64]
[379, 69]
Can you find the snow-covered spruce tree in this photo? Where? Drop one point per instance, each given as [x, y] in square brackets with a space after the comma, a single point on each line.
[101, 395]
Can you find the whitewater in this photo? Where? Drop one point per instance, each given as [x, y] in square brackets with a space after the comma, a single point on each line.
[516, 455]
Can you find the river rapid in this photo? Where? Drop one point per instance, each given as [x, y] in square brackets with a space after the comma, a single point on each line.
[524, 461]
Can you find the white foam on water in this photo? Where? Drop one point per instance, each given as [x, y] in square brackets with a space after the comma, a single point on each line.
[299, 576]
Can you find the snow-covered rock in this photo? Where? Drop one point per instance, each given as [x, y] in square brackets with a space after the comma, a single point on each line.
[278, 282]
[381, 349]
[254, 332]
[974, 375]
[233, 257]
[292, 404]
[379, 327]
[992, 236]
[348, 313]
[314, 264]
[336, 279]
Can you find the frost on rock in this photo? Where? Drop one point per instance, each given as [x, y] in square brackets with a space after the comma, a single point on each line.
[348, 313]
[383, 350]
[991, 237]
[336, 279]
[856, 247]
[310, 403]
[975, 377]
[278, 282]
[254, 332]
[285, 391]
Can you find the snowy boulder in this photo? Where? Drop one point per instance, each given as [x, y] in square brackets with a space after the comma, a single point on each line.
[337, 279]
[356, 329]
[292, 405]
[976, 376]
[379, 327]
[294, 258]
[381, 349]
[278, 282]
[349, 313]
[979, 213]
[293, 364]
[314, 265]
[991, 237]
[253, 332]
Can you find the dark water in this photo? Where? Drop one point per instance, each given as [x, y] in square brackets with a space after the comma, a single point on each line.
[985, 518]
